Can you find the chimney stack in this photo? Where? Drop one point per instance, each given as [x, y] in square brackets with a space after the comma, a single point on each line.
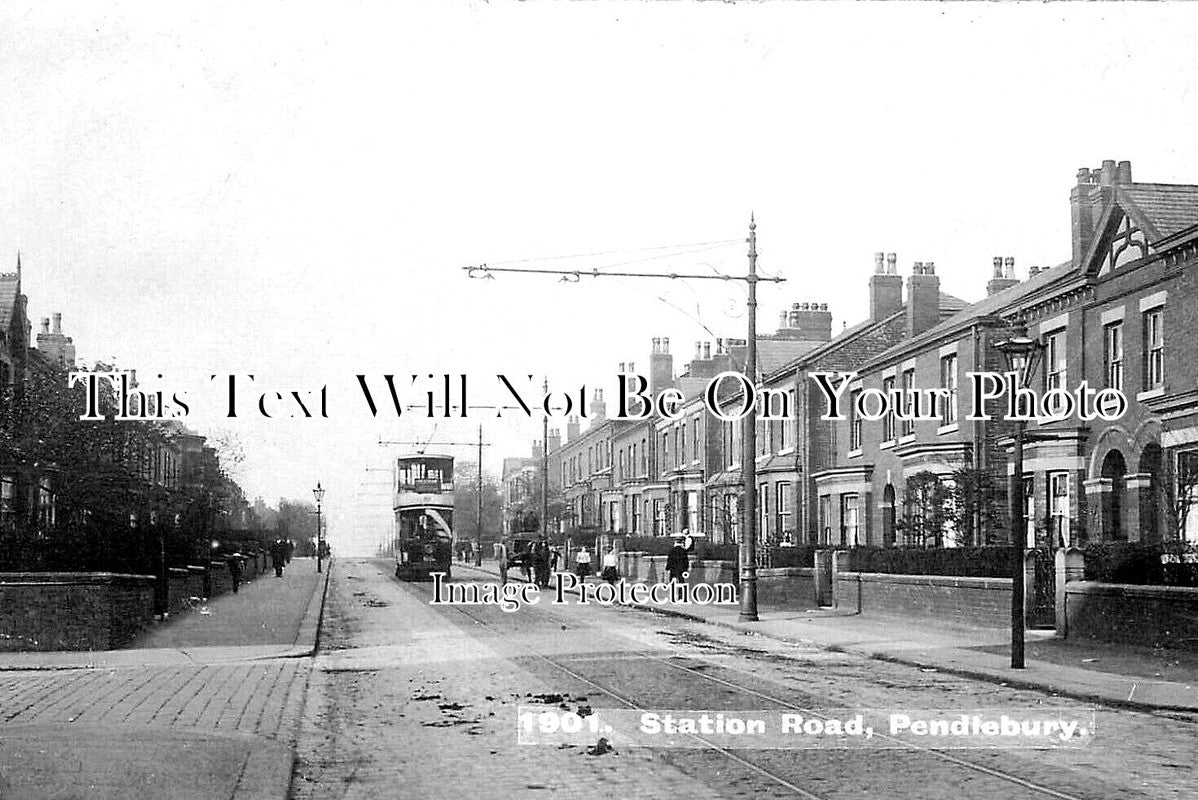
[1004, 275]
[573, 429]
[1089, 199]
[598, 408]
[661, 367]
[923, 298]
[555, 439]
[807, 321]
[885, 289]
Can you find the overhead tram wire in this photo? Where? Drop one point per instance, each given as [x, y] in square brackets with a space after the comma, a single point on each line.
[713, 245]
[748, 557]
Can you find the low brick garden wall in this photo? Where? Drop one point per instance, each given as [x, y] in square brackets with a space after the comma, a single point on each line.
[98, 610]
[73, 610]
[972, 602]
[1154, 616]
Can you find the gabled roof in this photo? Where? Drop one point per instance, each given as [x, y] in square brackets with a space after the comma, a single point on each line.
[1164, 208]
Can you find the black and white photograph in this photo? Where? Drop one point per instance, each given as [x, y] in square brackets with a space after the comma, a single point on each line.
[561, 399]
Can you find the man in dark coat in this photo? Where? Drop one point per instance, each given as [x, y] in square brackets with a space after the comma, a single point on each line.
[234, 562]
[278, 556]
[678, 561]
[540, 564]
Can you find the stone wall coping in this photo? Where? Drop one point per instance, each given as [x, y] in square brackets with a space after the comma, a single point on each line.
[783, 572]
[1133, 590]
[72, 578]
[929, 580]
[178, 571]
[195, 568]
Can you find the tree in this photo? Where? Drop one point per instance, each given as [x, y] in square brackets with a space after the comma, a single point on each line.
[1184, 492]
[526, 512]
[926, 511]
[465, 506]
[297, 522]
[978, 506]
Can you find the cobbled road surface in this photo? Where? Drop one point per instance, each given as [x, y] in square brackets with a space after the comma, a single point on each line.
[409, 700]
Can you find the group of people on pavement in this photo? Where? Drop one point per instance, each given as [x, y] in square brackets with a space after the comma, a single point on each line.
[280, 555]
[540, 561]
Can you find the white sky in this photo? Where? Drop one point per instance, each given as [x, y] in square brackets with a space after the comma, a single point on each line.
[291, 190]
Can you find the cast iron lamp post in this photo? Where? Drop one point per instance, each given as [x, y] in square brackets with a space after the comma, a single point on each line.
[1022, 354]
[318, 493]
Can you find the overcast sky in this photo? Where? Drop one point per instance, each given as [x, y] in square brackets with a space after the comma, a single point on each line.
[291, 190]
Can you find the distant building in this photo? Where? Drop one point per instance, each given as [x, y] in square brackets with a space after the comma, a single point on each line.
[56, 347]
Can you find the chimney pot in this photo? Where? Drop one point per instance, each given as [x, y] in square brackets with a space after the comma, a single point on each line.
[998, 266]
[879, 267]
[918, 268]
[891, 264]
[706, 351]
[698, 350]
[665, 345]
[794, 306]
[1010, 265]
[632, 366]
[1123, 172]
[45, 324]
[622, 367]
[1083, 176]
[929, 267]
[782, 316]
[1107, 176]
[57, 322]
[598, 394]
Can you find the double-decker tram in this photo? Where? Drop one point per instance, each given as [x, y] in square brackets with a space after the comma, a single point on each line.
[423, 516]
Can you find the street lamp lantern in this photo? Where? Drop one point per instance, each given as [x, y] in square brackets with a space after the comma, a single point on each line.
[318, 494]
[1022, 354]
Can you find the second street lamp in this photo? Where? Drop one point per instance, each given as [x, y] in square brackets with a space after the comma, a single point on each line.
[318, 494]
[1022, 354]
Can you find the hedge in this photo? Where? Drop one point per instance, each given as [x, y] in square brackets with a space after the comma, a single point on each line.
[1158, 564]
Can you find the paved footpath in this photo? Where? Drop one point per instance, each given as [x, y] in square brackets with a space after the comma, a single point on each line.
[1091, 671]
[206, 705]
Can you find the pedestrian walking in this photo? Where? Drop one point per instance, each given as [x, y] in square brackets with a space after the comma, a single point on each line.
[235, 569]
[540, 564]
[678, 560]
[583, 563]
[278, 556]
[555, 556]
[610, 561]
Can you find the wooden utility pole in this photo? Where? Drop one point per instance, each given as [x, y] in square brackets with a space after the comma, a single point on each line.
[748, 544]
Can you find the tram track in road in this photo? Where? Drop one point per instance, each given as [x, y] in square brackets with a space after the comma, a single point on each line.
[945, 759]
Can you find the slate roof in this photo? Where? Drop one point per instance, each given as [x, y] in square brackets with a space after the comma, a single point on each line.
[9, 284]
[983, 308]
[1167, 207]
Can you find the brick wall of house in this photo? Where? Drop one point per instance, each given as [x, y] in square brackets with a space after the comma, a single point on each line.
[73, 611]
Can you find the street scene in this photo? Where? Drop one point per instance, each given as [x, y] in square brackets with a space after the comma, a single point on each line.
[552, 399]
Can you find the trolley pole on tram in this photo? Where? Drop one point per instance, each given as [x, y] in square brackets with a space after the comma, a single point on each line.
[748, 545]
[478, 533]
